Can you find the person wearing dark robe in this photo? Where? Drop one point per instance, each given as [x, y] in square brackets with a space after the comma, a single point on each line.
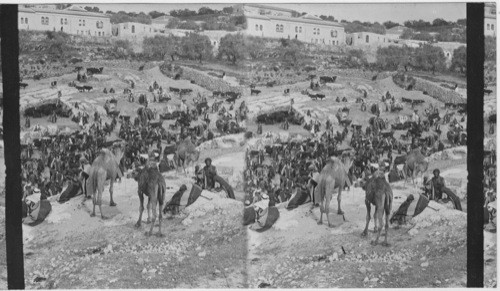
[27, 123]
[175, 202]
[209, 172]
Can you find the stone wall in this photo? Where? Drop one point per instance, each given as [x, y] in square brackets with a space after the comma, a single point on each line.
[201, 79]
[440, 93]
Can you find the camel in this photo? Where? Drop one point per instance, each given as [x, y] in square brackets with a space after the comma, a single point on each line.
[152, 184]
[106, 166]
[333, 175]
[185, 153]
[379, 193]
[415, 163]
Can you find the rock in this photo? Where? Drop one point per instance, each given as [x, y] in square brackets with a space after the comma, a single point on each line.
[362, 270]
[153, 271]
[413, 231]
[335, 256]
[423, 258]
[366, 280]
[202, 254]
[424, 264]
[198, 248]
[438, 282]
[144, 271]
[140, 261]
[374, 280]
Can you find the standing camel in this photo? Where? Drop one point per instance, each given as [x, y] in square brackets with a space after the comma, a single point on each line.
[379, 193]
[415, 163]
[334, 175]
[186, 152]
[106, 166]
[152, 184]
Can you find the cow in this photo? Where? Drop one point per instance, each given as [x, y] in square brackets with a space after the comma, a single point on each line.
[320, 96]
[175, 90]
[271, 83]
[488, 91]
[326, 79]
[256, 92]
[231, 100]
[218, 94]
[234, 95]
[344, 99]
[80, 88]
[141, 68]
[87, 88]
[111, 90]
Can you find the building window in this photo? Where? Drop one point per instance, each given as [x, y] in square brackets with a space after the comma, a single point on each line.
[83, 22]
[300, 29]
[79, 22]
[66, 21]
[278, 27]
[317, 30]
[296, 29]
[45, 20]
[99, 24]
[488, 26]
[281, 28]
[26, 20]
[261, 27]
[62, 21]
[367, 38]
[314, 31]
[22, 20]
[333, 33]
[133, 28]
[257, 27]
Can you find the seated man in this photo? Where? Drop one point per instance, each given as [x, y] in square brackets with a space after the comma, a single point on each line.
[438, 188]
[209, 172]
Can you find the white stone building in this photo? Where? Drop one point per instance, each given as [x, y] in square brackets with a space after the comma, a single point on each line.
[371, 39]
[72, 20]
[134, 30]
[490, 19]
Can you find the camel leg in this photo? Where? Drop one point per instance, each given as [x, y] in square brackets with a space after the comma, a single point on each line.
[339, 199]
[148, 221]
[111, 202]
[322, 209]
[387, 209]
[154, 196]
[160, 206]
[368, 216]
[379, 212]
[327, 209]
[150, 202]
[141, 209]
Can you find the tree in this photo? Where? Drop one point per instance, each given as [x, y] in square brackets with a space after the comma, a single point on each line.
[196, 47]
[189, 25]
[430, 58]
[462, 21]
[425, 36]
[356, 58]
[173, 23]
[439, 22]
[57, 43]
[122, 48]
[205, 11]
[490, 48]
[390, 24]
[92, 9]
[232, 46]
[255, 47]
[291, 48]
[459, 59]
[160, 46]
[228, 10]
[407, 34]
[393, 57]
[156, 14]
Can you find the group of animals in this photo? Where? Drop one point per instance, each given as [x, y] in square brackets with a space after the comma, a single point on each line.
[378, 192]
[106, 167]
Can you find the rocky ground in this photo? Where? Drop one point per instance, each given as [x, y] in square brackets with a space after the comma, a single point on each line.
[206, 246]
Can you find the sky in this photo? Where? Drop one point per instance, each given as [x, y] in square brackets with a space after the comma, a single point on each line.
[372, 12]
